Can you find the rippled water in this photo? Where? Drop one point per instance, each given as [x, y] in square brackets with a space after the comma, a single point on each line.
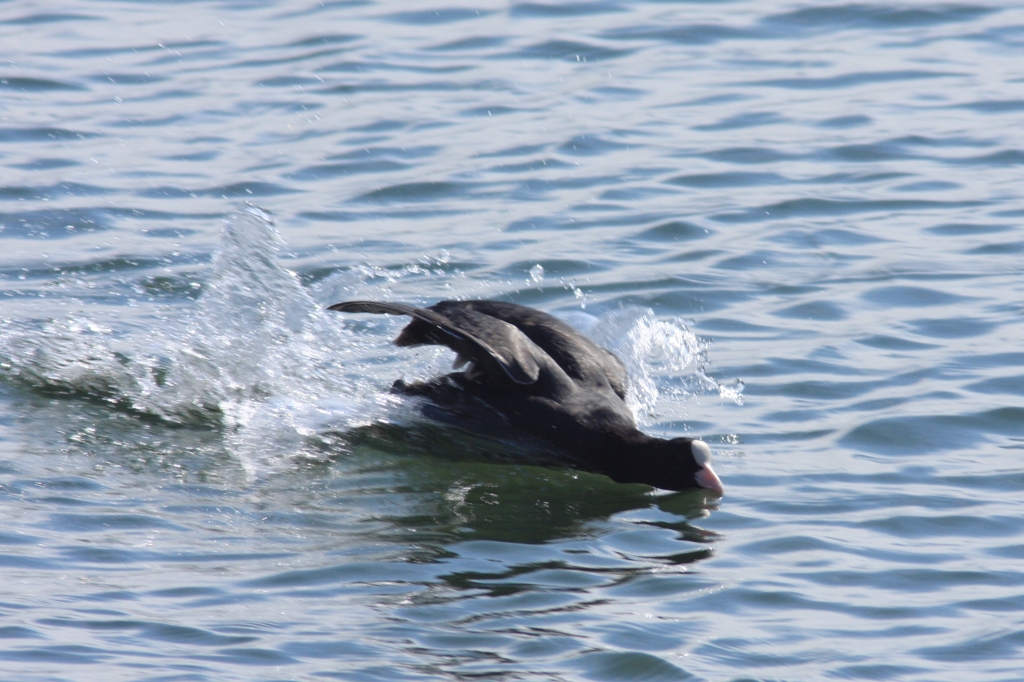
[800, 225]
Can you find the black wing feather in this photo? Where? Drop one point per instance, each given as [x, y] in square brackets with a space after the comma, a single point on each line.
[490, 342]
[582, 359]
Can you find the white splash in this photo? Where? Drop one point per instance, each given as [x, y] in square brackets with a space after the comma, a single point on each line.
[257, 355]
[662, 356]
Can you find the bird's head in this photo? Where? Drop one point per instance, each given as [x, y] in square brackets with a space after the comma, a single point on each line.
[703, 474]
[681, 464]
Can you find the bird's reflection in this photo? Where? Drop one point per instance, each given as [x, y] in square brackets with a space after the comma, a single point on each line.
[512, 490]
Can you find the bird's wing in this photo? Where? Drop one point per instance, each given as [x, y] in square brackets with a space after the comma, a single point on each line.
[573, 351]
[495, 346]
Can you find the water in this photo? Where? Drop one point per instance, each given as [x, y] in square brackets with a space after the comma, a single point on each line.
[800, 225]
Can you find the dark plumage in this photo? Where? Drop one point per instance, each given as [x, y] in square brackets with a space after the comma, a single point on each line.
[548, 380]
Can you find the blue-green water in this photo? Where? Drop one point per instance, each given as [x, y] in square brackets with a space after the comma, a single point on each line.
[801, 225]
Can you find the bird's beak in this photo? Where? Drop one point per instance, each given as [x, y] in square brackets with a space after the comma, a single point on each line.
[707, 478]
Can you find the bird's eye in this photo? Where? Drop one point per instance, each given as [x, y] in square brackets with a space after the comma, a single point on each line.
[701, 452]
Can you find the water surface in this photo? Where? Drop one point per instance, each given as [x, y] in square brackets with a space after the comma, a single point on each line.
[799, 225]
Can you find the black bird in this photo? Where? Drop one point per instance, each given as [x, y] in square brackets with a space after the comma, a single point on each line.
[548, 380]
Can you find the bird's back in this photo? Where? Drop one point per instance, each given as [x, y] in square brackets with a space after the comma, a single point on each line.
[581, 359]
